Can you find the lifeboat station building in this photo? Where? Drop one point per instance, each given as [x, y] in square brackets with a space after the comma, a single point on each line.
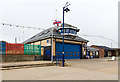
[51, 42]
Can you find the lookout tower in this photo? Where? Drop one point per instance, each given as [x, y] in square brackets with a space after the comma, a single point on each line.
[69, 30]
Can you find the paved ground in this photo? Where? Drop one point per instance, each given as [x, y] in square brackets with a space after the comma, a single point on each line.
[92, 69]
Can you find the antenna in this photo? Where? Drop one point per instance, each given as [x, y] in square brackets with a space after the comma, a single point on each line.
[19, 39]
[56, 14]
[111, 44]
[15, 40]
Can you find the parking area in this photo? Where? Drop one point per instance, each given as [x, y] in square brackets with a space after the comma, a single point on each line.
[84, 69]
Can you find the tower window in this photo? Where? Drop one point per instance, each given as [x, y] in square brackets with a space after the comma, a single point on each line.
[67, 30]
[60, 31]
[73, 31]
[70, 31]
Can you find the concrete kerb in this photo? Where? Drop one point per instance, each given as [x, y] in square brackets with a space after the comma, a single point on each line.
[27, 64]
[14, 65]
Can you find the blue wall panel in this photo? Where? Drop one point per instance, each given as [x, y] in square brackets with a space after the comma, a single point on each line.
[71, 51]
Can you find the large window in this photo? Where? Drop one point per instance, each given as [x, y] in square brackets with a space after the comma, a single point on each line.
[73, 31]
[67, 31]
[61, 30]
[70, 31]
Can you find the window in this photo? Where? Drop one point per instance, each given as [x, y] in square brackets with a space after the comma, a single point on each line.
[67, 30]
[73, 32]
[64, 30]
[70, 31]
[60, 31]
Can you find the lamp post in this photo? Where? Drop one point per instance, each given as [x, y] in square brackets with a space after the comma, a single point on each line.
[65, 8]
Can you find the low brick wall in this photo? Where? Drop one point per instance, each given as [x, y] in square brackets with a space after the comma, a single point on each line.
[16, 58]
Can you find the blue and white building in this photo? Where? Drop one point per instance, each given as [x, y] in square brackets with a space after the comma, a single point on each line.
[51, 41]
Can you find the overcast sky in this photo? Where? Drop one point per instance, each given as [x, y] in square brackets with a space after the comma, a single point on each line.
[92, 17]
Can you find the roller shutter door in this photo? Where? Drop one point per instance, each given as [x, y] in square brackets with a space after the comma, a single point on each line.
[72, 51]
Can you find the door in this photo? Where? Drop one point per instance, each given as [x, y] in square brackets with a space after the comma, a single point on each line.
[106, 53]
[71, 51]
[47, 53]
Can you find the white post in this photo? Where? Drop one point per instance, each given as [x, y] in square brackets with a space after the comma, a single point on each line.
[23, 35]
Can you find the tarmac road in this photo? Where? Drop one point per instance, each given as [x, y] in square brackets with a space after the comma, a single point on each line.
[85, 69]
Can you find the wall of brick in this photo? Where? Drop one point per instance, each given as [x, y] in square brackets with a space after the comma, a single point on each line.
[101, 52]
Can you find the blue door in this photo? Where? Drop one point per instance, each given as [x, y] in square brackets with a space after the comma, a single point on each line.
[71, 51]
[48, 52]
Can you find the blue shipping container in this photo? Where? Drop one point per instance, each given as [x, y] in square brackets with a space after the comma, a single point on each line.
[2, 48]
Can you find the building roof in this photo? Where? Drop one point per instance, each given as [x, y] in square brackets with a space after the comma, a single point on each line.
[103, 47]
[48, 33]
[115, 48]
[92, 49]
[67, 25]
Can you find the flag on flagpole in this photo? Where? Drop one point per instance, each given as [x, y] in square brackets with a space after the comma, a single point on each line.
[57, 22]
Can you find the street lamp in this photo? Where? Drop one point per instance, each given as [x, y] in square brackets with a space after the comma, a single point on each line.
[65, 8]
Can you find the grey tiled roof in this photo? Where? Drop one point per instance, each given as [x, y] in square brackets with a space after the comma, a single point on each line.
[67, 25]
[48, 33]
